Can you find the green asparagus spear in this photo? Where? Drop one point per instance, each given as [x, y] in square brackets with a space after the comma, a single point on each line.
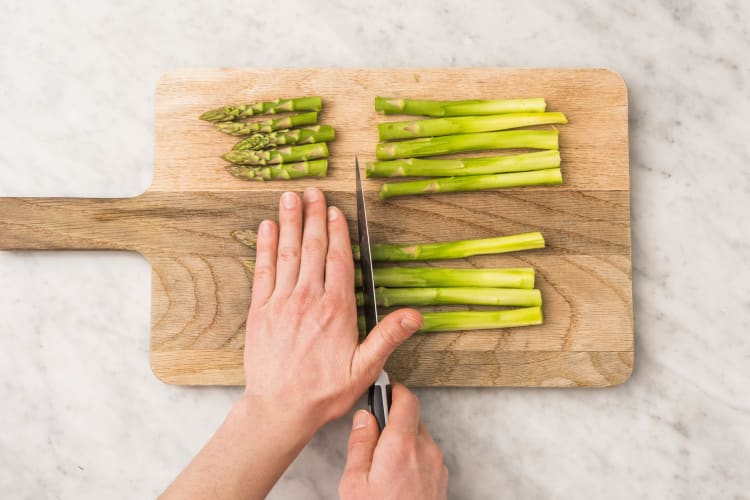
[384, 252]
[392, 106]
[464, 125]
[266, 126]
[287, 154]
[229, 113]
[306, 135]
[316, 168]
[388, 297]
[471, 183]
[414, 167]
[456, 321]
[427, 146]
[412, 277]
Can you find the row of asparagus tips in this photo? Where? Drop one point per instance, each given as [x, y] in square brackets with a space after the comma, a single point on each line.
[465, 126]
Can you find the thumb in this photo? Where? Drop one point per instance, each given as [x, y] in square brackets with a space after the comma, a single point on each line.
[387, 335]
[362, 443]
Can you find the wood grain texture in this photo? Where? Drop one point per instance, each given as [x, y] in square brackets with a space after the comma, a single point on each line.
[200, 290]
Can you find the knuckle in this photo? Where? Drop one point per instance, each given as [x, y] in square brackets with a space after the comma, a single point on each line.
[304, 295]
[338, 255]
[288, 253]
[313, 245]
[262, 273]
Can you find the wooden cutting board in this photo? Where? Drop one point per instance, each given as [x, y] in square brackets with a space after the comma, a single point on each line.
[201, 291]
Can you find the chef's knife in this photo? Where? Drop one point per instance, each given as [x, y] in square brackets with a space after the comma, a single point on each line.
[379, 395]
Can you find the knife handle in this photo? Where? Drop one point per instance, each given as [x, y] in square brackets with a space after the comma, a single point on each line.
[379, 403]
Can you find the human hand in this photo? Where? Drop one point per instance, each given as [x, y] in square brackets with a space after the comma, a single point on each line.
[303, 361]
[401, 462]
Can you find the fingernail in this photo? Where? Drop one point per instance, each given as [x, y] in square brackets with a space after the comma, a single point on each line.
[361, 420]
[410, 324]
[265, 228]
[289, 200]
[311, 194]
[333, 214]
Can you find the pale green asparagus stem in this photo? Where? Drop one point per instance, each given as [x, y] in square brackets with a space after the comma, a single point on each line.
[265, 126]
[383, 252]
[392, 106]
[464, 125]
[533, 139]
[316, 168]
[414, 167]
[388, 297]
[229, 113]
[456, 321]
[287, 154]
[414, 277]
[471, 183]
[306, 135]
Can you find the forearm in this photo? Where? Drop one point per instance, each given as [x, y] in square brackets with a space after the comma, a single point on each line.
[246, 455]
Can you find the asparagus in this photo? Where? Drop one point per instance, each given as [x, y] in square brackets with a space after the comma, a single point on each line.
[411, 277]
[306, 135]
[316, 168]
[391, 106]
[229, 113]
[388, 297]
[414, 167]
[464, 125]
[265, 126]
[534, 139]
[456, 321]
[384, 252]
[471, 183]
[287, 154]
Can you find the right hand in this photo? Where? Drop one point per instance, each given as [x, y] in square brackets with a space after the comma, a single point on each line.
[401, 463]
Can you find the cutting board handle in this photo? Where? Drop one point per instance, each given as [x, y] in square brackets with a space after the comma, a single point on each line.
[64, 224]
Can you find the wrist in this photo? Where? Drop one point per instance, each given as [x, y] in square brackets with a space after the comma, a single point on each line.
[292, 428]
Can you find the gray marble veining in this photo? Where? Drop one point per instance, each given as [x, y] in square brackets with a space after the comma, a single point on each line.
[81, 413]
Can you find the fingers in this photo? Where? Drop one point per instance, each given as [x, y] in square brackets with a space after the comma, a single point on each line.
[314, 239]
[264, 274]
[404, 414]
[339, 272]
[290, 242]
[391, 332]
[362, 442]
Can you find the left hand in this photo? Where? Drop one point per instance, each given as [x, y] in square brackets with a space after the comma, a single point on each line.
[303, 361]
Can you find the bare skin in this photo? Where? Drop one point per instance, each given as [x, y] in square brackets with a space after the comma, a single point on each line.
[304, 368]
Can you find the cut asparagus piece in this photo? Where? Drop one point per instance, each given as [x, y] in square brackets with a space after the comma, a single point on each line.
[287, 154]
[229, 113]
[384, 252]
[413, 277]
[457, 321]
[392, 106]
[265, 126]
[427, 146]
[388, 297]
[306, 135]
[414, 167]
[464, 125]
[471, 183]
[316, 168]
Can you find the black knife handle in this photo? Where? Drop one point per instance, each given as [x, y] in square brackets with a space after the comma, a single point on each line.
[375, 402]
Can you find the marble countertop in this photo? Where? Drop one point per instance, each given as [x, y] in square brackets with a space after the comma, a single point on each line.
[83, 416]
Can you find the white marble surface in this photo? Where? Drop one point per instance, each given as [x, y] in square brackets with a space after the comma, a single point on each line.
[83, 417]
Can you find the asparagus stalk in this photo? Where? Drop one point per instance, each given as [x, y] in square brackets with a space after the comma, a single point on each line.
[534, 139]
[384, 252]
[306, 135]
[391, 106]
[388, 297]
[456, 321]
[471, 183]
[229, 113]
[414, 167]
[266, 126]
[287, 154]
[316, 168]
[464, 125]
[413, 277]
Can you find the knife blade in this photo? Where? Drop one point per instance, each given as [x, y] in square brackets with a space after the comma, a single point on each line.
[379, 394]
